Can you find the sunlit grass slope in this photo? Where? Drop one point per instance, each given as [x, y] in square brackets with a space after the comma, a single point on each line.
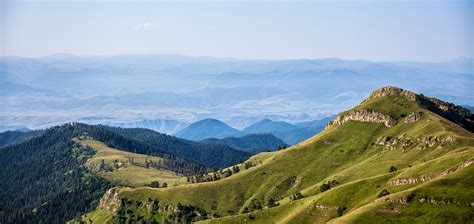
[125, 168]
[423, 167]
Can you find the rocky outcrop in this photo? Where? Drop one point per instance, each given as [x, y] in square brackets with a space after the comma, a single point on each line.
[111, 200]
[365, 116]
[412, 197]
[405, 143]
[391, 91]
[454, 113]
[413, 117]
[324, 207]
[421, 179]
[410, 180]
[430, 141]
[390, 143]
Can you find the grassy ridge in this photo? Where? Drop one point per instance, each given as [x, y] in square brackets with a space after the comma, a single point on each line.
[430, 156]
[125, 168]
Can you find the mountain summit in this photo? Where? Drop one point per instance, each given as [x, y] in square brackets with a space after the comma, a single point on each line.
[398, 157]
[376, 108]
[207, 128]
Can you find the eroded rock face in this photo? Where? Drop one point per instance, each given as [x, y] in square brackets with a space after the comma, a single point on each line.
[391, 143]
[431, 200]
[365, 116]
[324, 207]
[111, 200]
[430, 141]
[411, 180]
[421, 179]
[406, 143]
[391, 91]
[413, 117]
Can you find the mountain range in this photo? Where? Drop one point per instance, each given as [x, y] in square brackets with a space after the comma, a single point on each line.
[43, 92]
[207, 128]
[289, 133]
[166, 126]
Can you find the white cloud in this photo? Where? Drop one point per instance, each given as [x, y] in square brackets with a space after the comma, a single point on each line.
[143, 26]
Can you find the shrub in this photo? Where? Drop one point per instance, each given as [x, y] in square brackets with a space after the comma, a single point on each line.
[383, 193]
[324, 187]
[341, 210]
[297, 195]
[272, 203]
[392, 169]
[155, 184]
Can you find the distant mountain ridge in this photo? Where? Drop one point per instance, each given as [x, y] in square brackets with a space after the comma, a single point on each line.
[289, 133]
[267, 125]
[207, 128]
[166, 126]
[193, 88]
[252, 143]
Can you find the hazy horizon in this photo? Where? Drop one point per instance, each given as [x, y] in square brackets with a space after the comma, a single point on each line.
[65, 54]
[425, 31]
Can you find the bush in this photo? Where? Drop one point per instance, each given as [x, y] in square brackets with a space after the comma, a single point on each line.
[383, 193]
[392, 169]
[155, 184]
[341, 210]
[272, 203]
[297, 195]
[324, 187]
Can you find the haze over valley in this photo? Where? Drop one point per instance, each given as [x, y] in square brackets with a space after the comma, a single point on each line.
[168, 92]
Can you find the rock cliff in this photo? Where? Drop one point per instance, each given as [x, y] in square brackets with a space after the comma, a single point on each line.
[111, 200]
[365, 116]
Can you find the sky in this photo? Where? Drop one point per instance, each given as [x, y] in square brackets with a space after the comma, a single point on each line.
[372, 30]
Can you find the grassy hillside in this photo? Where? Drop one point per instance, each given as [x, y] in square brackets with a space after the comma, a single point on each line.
[212, 156]
[63, 172]
[391, 158]
[125, 168]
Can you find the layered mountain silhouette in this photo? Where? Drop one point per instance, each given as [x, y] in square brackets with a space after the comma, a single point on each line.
[289, 133]
[207, 128]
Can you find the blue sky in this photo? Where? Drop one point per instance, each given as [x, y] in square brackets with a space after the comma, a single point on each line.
[373, 30]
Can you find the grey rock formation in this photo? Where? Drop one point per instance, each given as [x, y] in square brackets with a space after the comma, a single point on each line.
[413, 117]
[365, 116]
[111, 200]
[391, 91]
